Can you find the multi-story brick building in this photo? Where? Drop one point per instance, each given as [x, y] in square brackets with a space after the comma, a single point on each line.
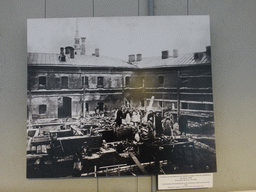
[71, 83]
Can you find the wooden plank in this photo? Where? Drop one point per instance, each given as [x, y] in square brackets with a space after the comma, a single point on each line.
[135, 159]
[196, 102]
[191, 110]
[77, 130]
[196, 76]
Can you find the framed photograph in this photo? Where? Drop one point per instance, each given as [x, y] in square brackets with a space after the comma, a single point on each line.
[119, 96]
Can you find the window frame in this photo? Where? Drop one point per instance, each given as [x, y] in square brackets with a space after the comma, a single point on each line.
[161, 80]
[62, 85]
[129, 80]
[42, 111]
[42, 85]
[100, 83]
[85, 82]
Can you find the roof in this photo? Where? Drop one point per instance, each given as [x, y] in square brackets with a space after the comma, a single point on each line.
[184, 60]
[52, 59]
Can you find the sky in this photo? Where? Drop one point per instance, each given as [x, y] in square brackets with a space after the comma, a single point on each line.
[118, 37]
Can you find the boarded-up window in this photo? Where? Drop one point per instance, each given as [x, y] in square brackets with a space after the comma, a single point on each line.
[42, 82]
[42, 109]
[127, 81]
[100, 82]
[64, 82]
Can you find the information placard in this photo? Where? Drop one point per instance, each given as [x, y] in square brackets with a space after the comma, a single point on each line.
[185, 181]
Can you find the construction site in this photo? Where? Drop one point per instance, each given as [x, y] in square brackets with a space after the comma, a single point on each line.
[98, 146]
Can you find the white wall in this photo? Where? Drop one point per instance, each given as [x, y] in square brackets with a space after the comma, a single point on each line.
[233, 27]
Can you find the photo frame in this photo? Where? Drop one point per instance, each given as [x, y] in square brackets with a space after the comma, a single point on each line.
[119, 96]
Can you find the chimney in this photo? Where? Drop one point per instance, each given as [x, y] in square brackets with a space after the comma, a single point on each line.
[165, 54]
[208, 51]
[139, 57]
[72, 55]
[131, 58]
[83, 46]
[62, 57]
[66, 50]
[175, 53]
[97, 52]
[198, 56]
[62, 50]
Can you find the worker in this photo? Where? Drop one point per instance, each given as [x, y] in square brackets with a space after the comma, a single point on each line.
[119, 116]
[183, 124]
[158, 124]
[77, 164]
[168, 124]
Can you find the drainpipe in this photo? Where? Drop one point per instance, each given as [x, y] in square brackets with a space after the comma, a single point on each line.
[150, 7]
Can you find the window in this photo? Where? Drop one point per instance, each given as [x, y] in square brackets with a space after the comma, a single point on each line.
[42, 82]
[85, 83]
[64, 82]
[184, 105]
[100, 82]
[86, 107]
[100, 105]
[127, 81]
[142, 103]
[42, 109]
[142, 81]
[161, 80]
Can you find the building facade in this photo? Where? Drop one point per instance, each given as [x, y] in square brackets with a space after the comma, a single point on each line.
[73, 84]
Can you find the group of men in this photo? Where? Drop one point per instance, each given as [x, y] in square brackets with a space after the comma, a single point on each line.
[152, 124]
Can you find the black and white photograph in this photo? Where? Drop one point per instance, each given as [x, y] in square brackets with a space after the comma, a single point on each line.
[119, 96]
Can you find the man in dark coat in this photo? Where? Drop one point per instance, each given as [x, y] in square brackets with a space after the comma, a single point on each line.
[158, 124]
[119, 116]
[183, 124]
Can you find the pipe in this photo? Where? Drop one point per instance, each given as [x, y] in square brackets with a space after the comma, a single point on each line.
[150, 7]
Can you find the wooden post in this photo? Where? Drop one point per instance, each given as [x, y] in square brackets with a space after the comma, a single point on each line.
[84, 108]
[162, 106]
[123, 101]
[178, 97]
[95, 171]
